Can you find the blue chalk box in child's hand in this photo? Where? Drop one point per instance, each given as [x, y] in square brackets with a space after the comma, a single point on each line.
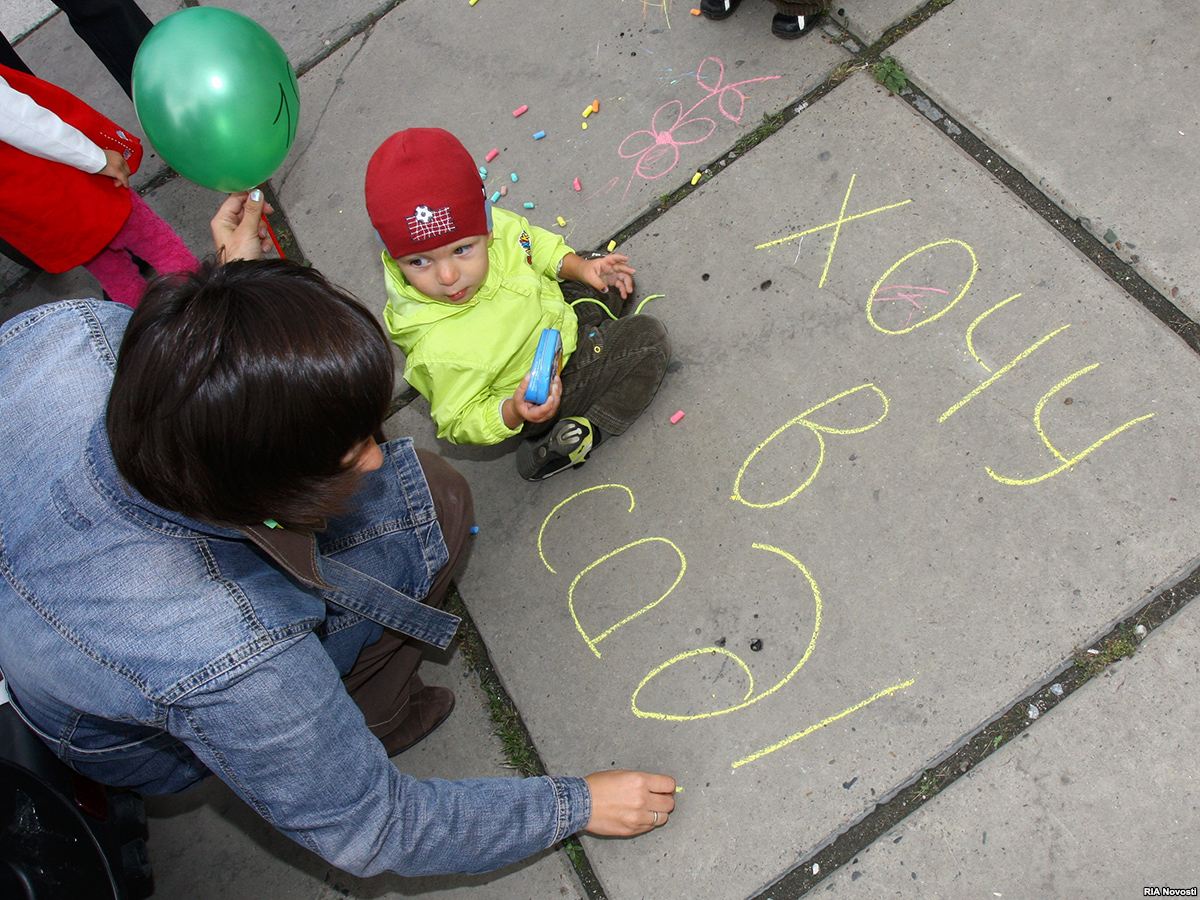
[545, 366]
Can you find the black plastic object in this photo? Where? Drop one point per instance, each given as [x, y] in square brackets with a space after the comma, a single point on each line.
[62, 835]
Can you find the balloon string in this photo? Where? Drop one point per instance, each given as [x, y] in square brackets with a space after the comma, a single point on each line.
[274, 240]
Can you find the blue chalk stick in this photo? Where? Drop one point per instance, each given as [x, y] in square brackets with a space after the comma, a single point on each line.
[495, 196]
[513, 176]
[538, 135]
[482, 172]
[474, 529]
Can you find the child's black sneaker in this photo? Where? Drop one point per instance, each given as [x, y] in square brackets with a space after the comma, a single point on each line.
[718, 9]
[791, 27]
[565, 445]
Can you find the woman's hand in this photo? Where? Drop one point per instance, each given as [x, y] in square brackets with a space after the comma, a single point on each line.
[626, 803]
[238, 230]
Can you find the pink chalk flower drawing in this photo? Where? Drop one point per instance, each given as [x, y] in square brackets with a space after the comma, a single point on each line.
[655, 150]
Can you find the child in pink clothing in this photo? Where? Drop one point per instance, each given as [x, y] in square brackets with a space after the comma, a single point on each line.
[65, 199]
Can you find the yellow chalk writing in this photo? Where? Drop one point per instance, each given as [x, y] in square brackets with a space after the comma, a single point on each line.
[975, 324]
[941, 312]
[1066, 463]
[791, 739]
[550, 515]
[593, 641]
[749, 699]
[836, 223]
[1000, 373]
[818, 430]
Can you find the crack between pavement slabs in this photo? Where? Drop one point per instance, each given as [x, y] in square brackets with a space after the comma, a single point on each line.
[1118, 642]
[520, 753]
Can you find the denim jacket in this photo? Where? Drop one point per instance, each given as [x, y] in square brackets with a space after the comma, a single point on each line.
[148, 649]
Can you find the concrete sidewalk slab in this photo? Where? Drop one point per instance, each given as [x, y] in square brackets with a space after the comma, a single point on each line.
[1097, 108]
[207, 843]
[306, 38]
[944, 594]
[460, 67]
[870, 20]
[19, 17]
[1099, 799]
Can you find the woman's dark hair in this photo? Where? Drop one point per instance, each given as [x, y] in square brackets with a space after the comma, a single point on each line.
[240, 389]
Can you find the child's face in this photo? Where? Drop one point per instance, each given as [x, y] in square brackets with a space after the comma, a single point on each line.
[451, 273]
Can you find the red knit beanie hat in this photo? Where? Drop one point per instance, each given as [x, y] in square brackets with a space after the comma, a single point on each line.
[423, 191]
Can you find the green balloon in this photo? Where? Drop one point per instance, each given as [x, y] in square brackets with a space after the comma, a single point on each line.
[217, 97]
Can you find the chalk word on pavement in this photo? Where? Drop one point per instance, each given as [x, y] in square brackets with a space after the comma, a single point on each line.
[750, 698]
[884, 291]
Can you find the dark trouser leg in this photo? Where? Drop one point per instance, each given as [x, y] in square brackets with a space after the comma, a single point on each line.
[800, 7]
[8, 57]
[615, 371]
[384, 677]
[593, 308]
[113, 29]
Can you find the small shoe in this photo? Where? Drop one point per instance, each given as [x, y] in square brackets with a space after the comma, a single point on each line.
[428, 708]
[565, 445]
[791, 27]
[718, 9]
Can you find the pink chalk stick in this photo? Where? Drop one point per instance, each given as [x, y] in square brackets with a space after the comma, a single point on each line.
[677, 417]
[575, 184]
[521, 110]
[491, 154]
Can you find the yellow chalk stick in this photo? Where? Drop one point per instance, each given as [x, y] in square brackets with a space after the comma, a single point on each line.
[587, 110]
[696, 178]
[583, 125]
[561, 222]
[612, 245]
[678, 789]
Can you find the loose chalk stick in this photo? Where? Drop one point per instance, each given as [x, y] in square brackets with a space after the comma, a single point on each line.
[538, 135]
[596, 105]
[482, 172]
[612, 245]
[675, 418]
[696, 178]
[512, 176]
[562, 223]
[504, 190]
[473, 2]
[492, 154]
[587, 110]
[475, 530]
[528, 204]
[495, 196]
[575, 184]
[695, 12]
[678, 788]
[583, 125]
[521, 110]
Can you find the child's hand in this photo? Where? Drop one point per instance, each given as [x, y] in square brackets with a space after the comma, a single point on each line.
[524, 411]
[115, 168]
[612, 270]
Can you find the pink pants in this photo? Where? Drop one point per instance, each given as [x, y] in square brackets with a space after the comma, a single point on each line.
[151, 239]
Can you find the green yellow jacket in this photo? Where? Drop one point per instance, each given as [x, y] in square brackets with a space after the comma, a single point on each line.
[465, 358]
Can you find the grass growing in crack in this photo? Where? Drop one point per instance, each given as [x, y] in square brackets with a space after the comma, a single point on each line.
[1121, 645]
[890, 74]
[771, 123]
[506, 722]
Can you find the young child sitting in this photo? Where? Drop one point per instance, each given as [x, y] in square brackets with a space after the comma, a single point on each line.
[470, 289]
